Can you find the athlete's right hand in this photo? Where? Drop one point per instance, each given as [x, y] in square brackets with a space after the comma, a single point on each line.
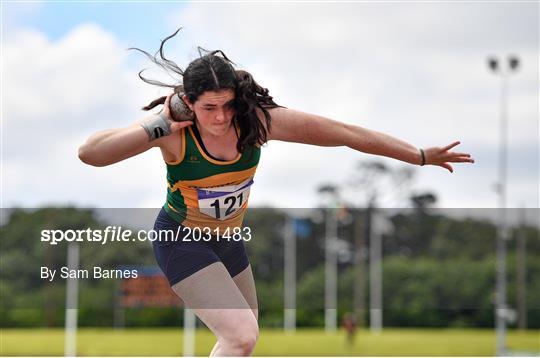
[162, 125]
[166, 112]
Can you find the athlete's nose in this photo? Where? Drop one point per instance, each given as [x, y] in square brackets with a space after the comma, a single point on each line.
[220, 116]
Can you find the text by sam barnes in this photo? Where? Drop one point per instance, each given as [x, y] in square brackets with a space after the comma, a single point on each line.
[96, 272]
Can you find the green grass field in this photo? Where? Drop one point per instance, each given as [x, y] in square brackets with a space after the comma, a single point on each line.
[312, 342]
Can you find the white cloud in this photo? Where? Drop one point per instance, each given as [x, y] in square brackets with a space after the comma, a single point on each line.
[45, 76]
[413, 70]
[58, 94]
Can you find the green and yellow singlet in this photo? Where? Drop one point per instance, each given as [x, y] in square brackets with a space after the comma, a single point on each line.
[208, 193]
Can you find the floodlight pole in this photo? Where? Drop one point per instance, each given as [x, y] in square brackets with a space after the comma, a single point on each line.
[330, 258]
[375, 274]
[330, 282]
[289, 289]
[72, 296]
[190, 324]
[502, 231]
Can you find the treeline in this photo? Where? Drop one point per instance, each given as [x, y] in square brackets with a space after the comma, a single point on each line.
[438, 271]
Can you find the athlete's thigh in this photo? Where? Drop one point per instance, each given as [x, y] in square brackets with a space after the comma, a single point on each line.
[216, 300]
[246, 284]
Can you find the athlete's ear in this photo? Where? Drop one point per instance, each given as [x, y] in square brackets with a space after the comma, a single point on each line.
[187, 101]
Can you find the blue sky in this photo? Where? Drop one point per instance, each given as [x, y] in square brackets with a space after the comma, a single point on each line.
[413, 70]
[127, 23]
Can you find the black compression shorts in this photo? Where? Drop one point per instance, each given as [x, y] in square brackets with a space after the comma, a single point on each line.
[181, 257]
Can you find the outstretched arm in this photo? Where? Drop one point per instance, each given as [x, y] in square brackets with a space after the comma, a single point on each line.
[295, 126]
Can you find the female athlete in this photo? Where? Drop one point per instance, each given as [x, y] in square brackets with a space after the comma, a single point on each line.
[211, 161]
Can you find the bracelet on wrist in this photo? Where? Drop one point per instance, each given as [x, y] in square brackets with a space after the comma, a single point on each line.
[423, 155]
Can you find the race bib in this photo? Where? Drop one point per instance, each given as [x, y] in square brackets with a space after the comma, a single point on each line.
[223, 202]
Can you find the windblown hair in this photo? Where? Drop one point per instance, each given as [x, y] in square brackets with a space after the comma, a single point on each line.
[214, 71]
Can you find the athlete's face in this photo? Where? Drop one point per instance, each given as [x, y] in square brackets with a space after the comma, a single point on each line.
[214, 111]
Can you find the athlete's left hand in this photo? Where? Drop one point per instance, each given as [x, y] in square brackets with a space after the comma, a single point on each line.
[443, 156]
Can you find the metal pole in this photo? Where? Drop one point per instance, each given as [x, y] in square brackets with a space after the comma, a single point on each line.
[502, 231]
[375, 276]
[359, 269]
[521, 274]
[72, 296]
[289, 322]
[501, 312]
[189, 333]
[330, 284]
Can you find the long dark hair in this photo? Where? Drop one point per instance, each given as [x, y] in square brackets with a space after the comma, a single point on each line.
[214, 71]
